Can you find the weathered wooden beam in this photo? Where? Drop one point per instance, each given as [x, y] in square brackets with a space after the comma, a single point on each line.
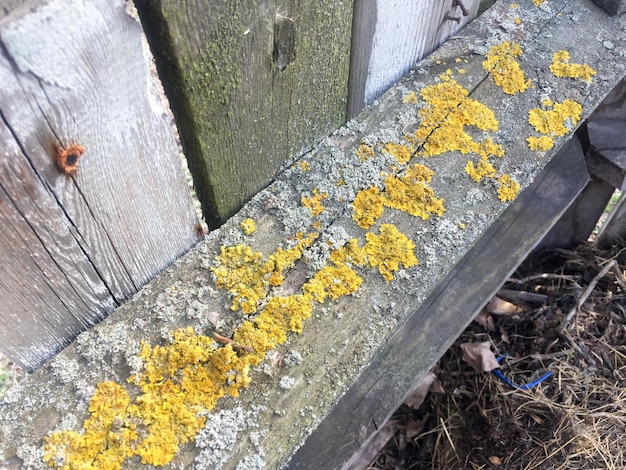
[251, 85]
[74, 246]
[607, 151]
[295, 388]
[421, 340]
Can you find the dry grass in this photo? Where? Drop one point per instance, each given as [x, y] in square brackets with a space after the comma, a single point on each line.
[576, 419]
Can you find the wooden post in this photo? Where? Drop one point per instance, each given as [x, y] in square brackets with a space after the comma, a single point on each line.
[251, 85]
[74, 244]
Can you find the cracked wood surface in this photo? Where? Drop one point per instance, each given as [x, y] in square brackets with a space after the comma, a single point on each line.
[73, 248]
[357, 356]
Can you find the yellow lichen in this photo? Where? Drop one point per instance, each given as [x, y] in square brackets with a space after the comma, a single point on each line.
[332, 281]
[483, 169]
[561, 67]
[442, 121]
[350, 252]
[538, 2]
[367, 207]
[411, 194]
[177, 383]
[304, 165]
[243, 273]
[507, 189]
[540, 143]
[364, 152]
[502, 65]
[408, 193]
[557, 121]
[248, 226]
[314, 203]
[270, 327]
[389, 250]
[400, 152]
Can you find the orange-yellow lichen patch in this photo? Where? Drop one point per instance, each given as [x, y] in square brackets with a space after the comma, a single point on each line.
[332, 281]
[400, 152]
[483, 169]
[350, 253]
[281, 260]
[411, 194]
[248, 226]
[540, 143]
[538, 2]
[241, 272]
[105, 441]
[247, 278]
[364, 152]
[388, 250]
[314, 203]
[270, 327]
[561, 67]
[442, 121]
[507, 189]
[367, 207]
[304, 165]
[178, 382]
[501, 63]
[555, 122]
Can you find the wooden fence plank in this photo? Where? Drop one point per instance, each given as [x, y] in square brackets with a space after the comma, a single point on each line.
[89, 241]
[389, 37]
[251, 84]
[302, 377]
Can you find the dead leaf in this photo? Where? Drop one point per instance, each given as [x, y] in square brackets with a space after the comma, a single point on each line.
[479, 356]
[494, 460]
[417, 394]
[485, 320]
[498, 306]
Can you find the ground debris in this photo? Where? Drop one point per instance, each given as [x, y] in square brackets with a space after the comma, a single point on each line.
[573, 420]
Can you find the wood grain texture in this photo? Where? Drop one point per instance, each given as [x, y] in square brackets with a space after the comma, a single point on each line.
[78, 246]
[251, 85]
[385, 327]
[431, 329]
[389, 37]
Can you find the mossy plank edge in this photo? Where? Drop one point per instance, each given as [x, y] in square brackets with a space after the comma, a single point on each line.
[271, 421]
[248, 93]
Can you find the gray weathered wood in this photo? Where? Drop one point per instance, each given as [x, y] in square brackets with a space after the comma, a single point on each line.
[297, 386]
[613, 229]
[389, 37]
[251, 85]
[432, 328]
[607, 151]
[75, 247]
[581, 218]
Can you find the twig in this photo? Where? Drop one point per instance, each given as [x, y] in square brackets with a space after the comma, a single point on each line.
[581, 300]
[238, 347]
[619, 277]
[564, 277]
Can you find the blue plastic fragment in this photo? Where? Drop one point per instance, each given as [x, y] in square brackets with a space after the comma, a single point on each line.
[527, 386]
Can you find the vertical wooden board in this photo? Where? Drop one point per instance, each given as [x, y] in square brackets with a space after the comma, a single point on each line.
[95, 238]
[389, 37]
[251, 84]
